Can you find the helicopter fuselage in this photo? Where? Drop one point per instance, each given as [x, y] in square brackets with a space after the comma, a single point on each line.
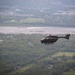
[52, 39]
[49, 40]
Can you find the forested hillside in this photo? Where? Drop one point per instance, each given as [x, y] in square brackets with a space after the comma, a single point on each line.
[22, 54]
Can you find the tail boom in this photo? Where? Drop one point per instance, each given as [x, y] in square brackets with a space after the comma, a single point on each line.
[66, 36]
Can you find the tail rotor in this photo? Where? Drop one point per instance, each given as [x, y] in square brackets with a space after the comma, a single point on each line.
[67, 36]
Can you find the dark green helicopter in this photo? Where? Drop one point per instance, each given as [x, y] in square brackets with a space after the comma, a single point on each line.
[52, 39]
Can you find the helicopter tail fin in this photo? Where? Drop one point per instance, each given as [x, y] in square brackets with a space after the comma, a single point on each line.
[67, 36]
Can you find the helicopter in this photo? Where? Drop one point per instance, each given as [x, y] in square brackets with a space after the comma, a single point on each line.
[50, 39]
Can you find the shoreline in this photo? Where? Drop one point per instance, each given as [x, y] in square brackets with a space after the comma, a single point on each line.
[36, 30]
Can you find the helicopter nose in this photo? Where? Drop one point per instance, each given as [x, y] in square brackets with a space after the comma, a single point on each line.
[42, 40]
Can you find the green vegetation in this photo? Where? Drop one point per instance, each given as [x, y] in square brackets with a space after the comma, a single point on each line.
[32, 20]
[64, 53]
[27, 20]
[43, 20]
[70, 73]
[23, 54]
